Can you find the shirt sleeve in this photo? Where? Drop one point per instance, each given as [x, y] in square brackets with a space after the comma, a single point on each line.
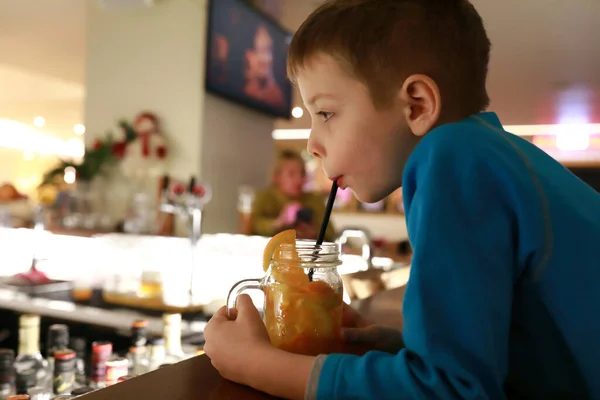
[457, 304]
[313, 380]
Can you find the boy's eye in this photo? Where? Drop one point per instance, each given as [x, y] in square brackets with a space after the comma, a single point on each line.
[326, 115]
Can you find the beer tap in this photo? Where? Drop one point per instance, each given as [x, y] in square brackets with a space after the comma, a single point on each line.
[189, 204]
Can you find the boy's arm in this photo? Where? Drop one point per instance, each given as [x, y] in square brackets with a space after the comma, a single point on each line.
[457, 305]
[281, 374]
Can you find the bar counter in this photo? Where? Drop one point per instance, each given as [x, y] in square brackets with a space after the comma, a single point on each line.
[119, 319]
[196, 379]
[193, 379]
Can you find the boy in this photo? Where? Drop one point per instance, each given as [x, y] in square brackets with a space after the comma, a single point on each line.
[504, 293]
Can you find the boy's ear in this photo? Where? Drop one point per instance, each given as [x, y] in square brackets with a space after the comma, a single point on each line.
[422, 103]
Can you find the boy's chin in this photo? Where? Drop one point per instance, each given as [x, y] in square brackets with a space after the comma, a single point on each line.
[369, 196]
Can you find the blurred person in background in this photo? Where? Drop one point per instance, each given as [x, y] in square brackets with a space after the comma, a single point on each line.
[285, 204]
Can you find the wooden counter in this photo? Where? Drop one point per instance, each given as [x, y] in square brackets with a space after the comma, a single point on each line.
[196, 378]
[383, 308]
[193, 379]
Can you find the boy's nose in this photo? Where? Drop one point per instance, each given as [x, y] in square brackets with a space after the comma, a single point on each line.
[314, 147]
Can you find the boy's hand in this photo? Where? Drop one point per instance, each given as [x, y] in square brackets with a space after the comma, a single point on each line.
[234, 345]
[374, 337]
[361, 335]
[352, 318]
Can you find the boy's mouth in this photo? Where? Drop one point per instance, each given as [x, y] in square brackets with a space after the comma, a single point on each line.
[340, 181]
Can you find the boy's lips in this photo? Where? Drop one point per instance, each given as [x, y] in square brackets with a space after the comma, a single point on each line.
[339, 179]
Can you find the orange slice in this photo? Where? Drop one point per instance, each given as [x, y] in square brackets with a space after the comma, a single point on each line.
[285, 237]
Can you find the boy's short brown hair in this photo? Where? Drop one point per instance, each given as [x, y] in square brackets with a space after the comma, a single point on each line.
[383, 42]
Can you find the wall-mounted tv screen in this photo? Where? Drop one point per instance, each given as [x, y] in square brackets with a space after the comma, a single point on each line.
[246, 57]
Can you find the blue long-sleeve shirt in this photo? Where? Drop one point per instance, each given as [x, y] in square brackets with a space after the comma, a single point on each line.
[503, 298]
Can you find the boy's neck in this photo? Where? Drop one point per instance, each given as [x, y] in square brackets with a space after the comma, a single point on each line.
[452, 116]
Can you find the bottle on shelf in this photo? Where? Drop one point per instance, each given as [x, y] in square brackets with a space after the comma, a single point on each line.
[139, 332]
[137, 360]
[172, 335]
[39, 393]
[116, 367]
[58, 339]
[79, 345]
[7, 373]
[101, 353]
[26, 379]
[157, 352]
[64, 371]
[29, 356]
[137, 356]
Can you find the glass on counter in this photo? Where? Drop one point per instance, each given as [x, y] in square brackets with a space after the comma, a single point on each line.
[82, 290]
[5, 217]
[151, 283]
[141, 215]
[302, 315]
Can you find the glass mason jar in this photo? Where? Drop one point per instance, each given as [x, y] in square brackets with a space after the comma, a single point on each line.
[302, 315]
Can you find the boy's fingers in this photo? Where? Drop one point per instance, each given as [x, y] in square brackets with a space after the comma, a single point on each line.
[359, 335]
[352, 319]
[221, 314]
[246, 307]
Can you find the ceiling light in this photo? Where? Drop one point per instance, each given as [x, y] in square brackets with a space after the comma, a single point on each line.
[39, 122]
[79, 129]
[519, 130]
[19, 136]
[70, 175]
[297, 112]
[28, 155]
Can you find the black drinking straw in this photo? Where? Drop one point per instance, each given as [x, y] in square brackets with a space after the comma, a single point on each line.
[324, 223]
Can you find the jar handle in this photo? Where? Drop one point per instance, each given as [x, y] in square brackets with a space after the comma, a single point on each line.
[237, 289]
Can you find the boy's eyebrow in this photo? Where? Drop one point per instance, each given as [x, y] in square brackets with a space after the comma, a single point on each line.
[317, 96]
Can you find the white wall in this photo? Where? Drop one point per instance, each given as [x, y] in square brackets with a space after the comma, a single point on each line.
[237, 150]
[149, 59]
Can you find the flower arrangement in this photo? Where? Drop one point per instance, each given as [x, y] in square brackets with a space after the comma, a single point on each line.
[139, 147]
[96, 158]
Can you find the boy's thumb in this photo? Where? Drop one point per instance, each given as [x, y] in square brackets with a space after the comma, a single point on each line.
[245, 305]
[243, 302]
